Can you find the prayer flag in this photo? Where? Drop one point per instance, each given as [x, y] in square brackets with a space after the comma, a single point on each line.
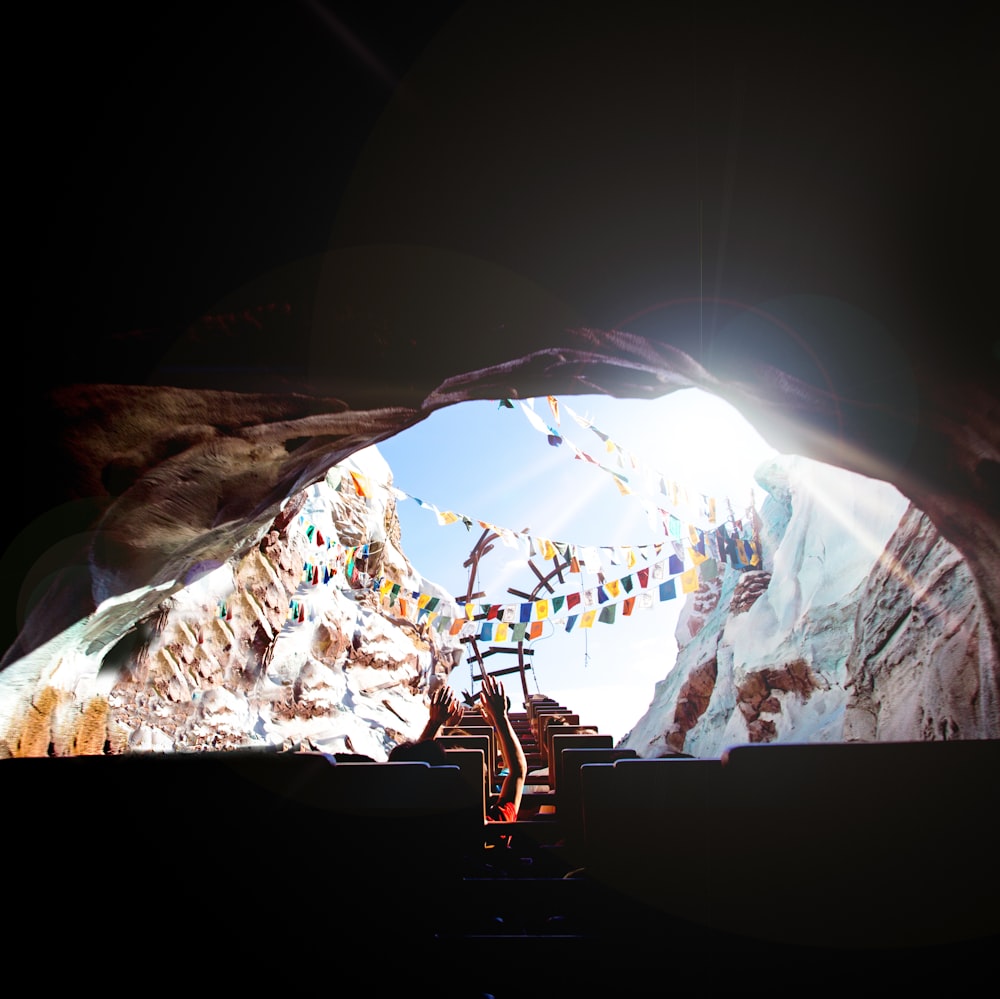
[572, 599]
[643, 575]
[708, 569]
[502, 631]
[535, 631]
[696, 556]
[627, 604]
[570, 621]
[608, 614]
[587, 620]
[541, 609]
[668, 590]
[360, 483]
[689, 580]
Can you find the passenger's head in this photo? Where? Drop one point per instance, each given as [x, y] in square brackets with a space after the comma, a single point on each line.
[423, 751]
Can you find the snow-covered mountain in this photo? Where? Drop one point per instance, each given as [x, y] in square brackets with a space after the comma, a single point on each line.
[863, 624]
[302, 640]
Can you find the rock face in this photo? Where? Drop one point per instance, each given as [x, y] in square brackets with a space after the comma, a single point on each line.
[920, 664]
[875, 633]
[292, 643]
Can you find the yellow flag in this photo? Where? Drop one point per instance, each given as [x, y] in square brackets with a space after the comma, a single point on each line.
[696, 556]
[554, 406]
[470, 612]
[548, 549]
[541, 609]
[613, 588]
[630, 558]
[501, 635]
[622, 488]
[689, 581]
[587, 620]
[423, 600]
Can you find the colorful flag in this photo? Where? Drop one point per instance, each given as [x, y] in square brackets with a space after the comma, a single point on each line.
[360, 483]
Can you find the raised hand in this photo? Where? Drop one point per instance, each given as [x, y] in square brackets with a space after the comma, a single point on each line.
[444, 708]
[492, 698]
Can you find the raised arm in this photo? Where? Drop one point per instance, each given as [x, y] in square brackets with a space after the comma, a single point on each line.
[494, 704]
[444, 710]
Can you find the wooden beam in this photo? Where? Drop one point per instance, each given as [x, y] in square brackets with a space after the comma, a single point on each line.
[504, 672]
[518, 593]
[472, 560]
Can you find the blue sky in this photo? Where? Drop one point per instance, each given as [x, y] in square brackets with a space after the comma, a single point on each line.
[496, 465]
